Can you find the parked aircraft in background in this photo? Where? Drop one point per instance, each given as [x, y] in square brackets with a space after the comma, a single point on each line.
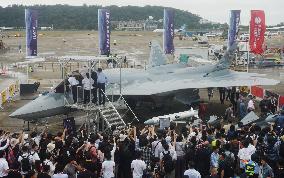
[6, 28]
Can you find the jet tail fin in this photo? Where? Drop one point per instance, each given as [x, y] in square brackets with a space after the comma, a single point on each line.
[225, 61]
[157, 57]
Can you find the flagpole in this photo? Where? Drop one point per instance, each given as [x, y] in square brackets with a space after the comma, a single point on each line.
[248, 60]
[248, 50]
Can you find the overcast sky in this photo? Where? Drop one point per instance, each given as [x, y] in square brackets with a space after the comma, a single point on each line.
[214, 10]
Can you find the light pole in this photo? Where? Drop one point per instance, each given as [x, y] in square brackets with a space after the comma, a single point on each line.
[120, 76]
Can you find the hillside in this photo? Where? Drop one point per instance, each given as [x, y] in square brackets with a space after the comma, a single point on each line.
[85, 17]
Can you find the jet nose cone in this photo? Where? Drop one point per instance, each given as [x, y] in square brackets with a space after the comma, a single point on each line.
[14, 114]
[43, 106]
[149, 122]
[21, 111]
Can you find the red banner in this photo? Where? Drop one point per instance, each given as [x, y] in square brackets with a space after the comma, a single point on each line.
[281, 101]
[257, 91]
[257, 30]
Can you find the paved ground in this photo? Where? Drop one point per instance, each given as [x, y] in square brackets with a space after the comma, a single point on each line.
[5, 82]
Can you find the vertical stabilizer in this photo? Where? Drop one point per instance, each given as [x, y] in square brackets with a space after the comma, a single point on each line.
[157, 57]
[226, 61]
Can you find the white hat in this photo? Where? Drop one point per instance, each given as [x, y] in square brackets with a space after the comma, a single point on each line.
[122, 137]
[14, 142]
[50, 147]
[26, 136]
[168, 139]
[192, 134]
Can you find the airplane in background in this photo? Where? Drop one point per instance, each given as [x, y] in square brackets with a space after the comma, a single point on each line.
[6, 28]
[162, 30]
[159, 83]
[182, 30]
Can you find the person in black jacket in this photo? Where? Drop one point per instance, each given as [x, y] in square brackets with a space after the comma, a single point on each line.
[44, 173]
[94, 76]
[222, 92]
[264, 106]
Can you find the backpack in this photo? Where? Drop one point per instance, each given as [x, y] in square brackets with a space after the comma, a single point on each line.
[11, 158]
[168, 162]
[229, 162]
[249, 168]
[272, 153]
[25, 163]
[90, 154]
[226, 115]
[153, 158]
[281, 150]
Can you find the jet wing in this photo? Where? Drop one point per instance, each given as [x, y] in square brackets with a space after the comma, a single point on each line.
[168, 83]
[82, 58]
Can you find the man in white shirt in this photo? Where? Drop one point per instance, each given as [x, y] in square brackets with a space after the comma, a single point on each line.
[4, 168]
[245, 153]
[250, 104]
[102, 80]
[74, 83]
[108, 167]
[138, 166]
[88, 86]
[157, 147]
[25, 165]
[48, 162]
[34, 153]
[191, 172]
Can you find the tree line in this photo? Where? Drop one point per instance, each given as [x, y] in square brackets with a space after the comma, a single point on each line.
[86, 17]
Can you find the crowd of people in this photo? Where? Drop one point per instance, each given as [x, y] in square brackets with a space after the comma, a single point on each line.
[240, 106]
[187, 151]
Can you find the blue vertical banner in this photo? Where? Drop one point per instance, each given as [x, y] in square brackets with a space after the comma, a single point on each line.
[233, 27]
[104, 31]
[31, 19]
[168, 36]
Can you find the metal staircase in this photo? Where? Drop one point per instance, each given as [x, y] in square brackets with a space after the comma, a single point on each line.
[107, 112]
[111, 116]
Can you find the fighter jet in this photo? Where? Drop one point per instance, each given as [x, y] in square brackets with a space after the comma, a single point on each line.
[160, 82]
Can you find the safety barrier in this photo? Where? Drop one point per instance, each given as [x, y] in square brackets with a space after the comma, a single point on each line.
[260, 92]
[9, 93]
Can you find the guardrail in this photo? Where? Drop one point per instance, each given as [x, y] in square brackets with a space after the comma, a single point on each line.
[9, 93]
[129, 108]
